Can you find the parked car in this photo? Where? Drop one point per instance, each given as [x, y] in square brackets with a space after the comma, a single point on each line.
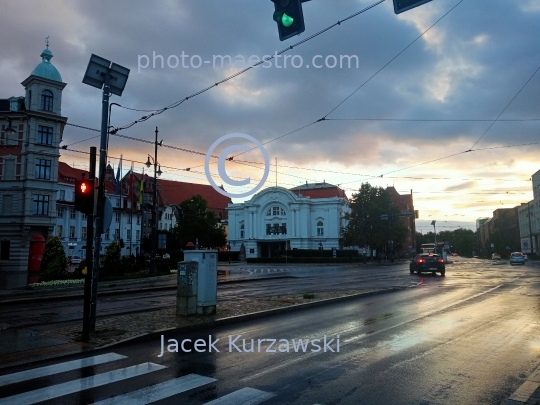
[495, 256]
[425, 262]
[166, 256]
[525, 256]
[455, 254]
[517, 258]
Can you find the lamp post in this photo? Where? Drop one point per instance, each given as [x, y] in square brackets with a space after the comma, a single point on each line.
[157, 172]
[435, 232]
[101, 73]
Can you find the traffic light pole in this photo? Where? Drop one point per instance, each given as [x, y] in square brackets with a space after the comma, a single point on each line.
[100, 200]
[89, 258]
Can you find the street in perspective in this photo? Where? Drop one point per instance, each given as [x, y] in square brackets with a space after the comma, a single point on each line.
[289, 202]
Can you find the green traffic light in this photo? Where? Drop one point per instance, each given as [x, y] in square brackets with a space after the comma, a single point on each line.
[283, 19]
[287, 20]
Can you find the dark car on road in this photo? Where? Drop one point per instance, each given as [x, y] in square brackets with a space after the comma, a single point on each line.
[427, 262]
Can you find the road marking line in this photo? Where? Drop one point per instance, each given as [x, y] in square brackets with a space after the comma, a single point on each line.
[159, 391]
[70, 387]
[244, 396]
[58, 368]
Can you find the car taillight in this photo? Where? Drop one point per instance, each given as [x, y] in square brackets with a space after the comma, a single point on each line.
[420, 261]
[440, 261]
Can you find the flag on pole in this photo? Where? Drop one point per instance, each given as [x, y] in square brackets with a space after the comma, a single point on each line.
[118, 176]
[130, 180]
[141, 189]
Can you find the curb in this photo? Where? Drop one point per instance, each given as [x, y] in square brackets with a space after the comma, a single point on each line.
[206, 325]
[526, 390]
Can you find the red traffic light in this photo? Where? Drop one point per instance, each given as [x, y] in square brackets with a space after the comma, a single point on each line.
[84, 196]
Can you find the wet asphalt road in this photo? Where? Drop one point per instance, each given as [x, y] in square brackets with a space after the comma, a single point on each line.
[471, 337]
[303, 278]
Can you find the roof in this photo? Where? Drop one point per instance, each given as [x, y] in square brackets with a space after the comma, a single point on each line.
[46, 69]
[68, 174]
[319, 190]
[174, 192]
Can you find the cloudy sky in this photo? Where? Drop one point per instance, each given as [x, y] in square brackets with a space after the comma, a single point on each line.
[436, 99]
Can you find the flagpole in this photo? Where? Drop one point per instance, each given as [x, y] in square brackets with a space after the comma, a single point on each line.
[120, 191]
[131, 222]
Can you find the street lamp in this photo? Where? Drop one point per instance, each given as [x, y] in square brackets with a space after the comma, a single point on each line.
[154, 200]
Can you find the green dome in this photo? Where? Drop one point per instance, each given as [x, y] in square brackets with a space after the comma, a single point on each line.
[46, 69]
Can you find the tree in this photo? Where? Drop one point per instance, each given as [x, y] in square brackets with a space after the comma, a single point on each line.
[54, 264]
[111, 261]
[198, 223]
[366, 225]
[462, 241]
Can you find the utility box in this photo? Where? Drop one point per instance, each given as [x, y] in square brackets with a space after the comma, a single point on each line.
[206, 279]
[186, 296]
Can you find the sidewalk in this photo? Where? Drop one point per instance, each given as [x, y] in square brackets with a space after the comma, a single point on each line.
[529, 392]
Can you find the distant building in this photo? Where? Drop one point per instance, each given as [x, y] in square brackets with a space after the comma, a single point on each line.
[276, 219]
[31, 131]
[404, 203]
[481, 221]
[529, 219]
[500, 234]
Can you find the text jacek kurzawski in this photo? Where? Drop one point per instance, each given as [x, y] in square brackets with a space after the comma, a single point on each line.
[237, 344]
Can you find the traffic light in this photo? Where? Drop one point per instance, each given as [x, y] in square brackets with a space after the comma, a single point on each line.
[289, 18]
[403, 5]
[84, 196]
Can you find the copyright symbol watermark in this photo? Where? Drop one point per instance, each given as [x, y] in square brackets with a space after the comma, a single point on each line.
[221, 165]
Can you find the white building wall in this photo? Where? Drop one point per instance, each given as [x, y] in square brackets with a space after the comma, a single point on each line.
[300, 214]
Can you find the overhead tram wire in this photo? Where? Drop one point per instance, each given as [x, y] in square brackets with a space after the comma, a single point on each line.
[504, 109]
[371, 77]
[176, 104]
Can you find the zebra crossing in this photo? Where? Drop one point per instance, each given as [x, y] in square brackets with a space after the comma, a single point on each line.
[146, 395]
[265, 270]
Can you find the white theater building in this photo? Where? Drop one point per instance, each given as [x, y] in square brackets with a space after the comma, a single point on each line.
[275, 219]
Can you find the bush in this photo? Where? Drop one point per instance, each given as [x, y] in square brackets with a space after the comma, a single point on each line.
[54, 265]
[305, 260]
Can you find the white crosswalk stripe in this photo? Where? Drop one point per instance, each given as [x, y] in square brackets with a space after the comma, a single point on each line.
[159, 391]
[244, 396]
[142, 396]
[58, 368]
[70, 387]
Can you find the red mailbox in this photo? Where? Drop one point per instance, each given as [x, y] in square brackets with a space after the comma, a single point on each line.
[37, 246]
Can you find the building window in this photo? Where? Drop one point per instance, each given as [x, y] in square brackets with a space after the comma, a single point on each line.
[47, 100]
[117, 234]
[83, 232]
[40, 204]
[60, 212]
[62, 195]
[43, 169]
[170, 227]
[45, 135]
[242, 231]
[5, 247]
[320, 229]
[138, 220]
[9, 169]
[59, 230]
[117, 217]
[72, 232]
[83, 215]
[284, 229]
[269, 229]
[72, 213]
[7, 204]
[128, 234]
[160, 226]
[118, 202]
[107, 235]
[137, 235]
[129, 220]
